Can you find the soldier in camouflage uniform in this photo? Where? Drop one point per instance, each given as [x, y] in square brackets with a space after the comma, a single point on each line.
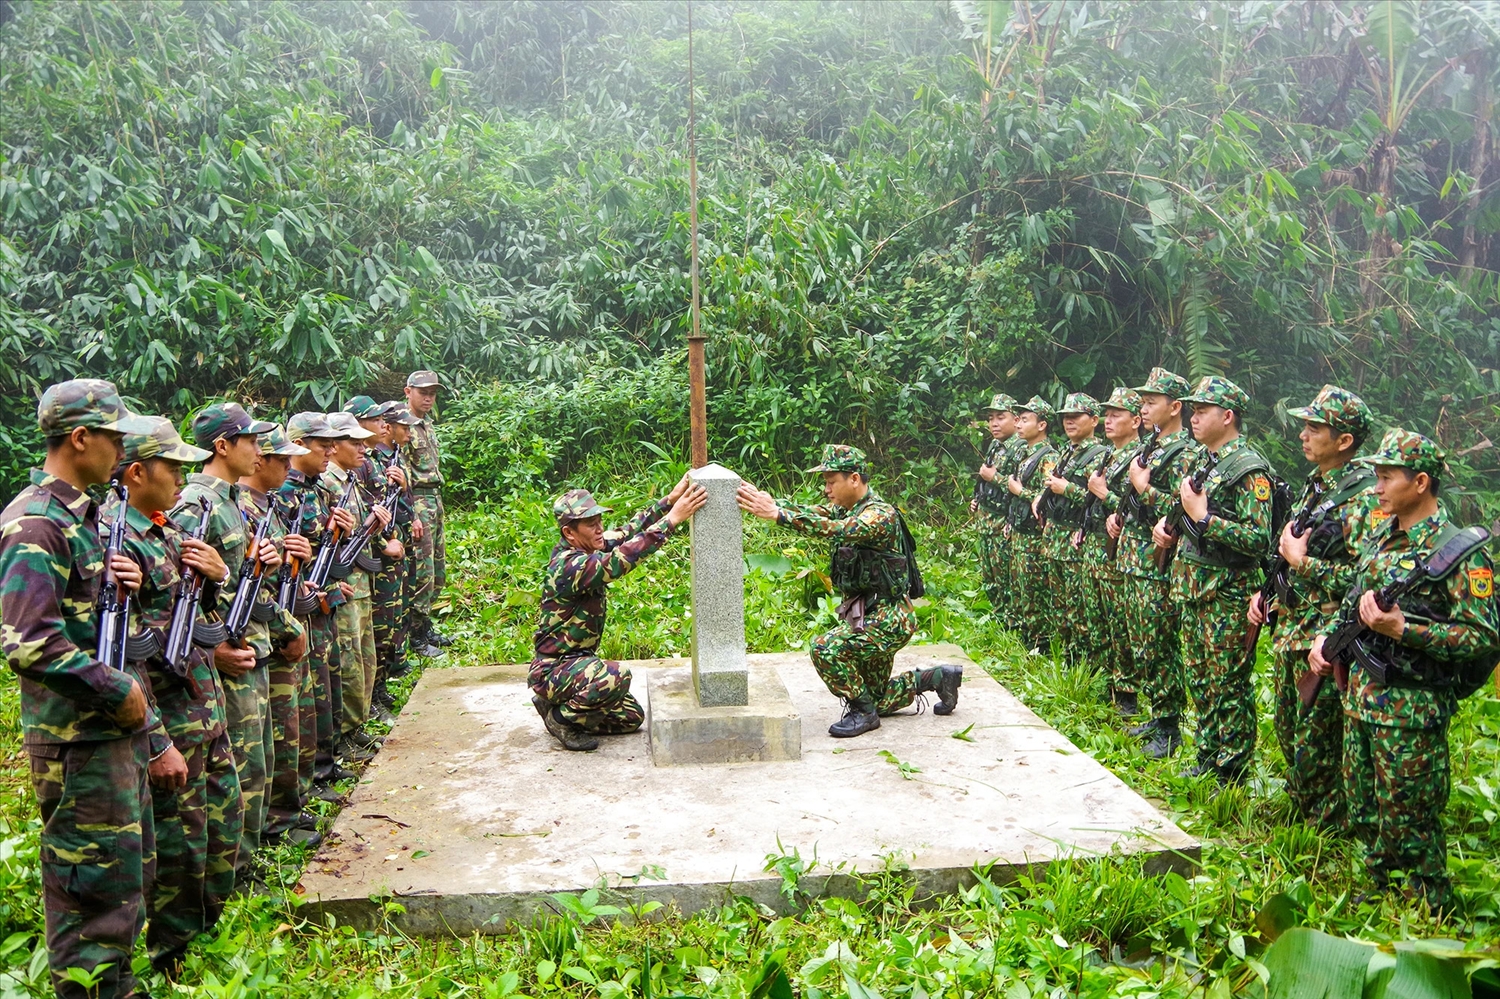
[84, 724]
[1061, 507]
[1122, 427]
[1336, 501]
[422, 459]
[1222, 548]
[1396, 732]
[399, 422]
[1030, 613]
[578, 694]
[991, 501]
[228, 433]
[196, 804]
[870, 569]
[1153, 615]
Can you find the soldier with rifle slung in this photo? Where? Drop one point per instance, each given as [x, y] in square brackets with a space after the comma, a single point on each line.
[990, 501]
[1030, 615]
[1122, 428]
[1061, 506]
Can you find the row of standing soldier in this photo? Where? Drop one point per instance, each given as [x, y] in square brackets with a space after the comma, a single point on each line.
[198, 660]
[1162, 552]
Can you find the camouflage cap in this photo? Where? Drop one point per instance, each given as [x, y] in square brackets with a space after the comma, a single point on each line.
[1079, 402]
[161, 441]
[225, 419]
[841, 458]
[1000, 403]
[365, 408]
[423, 379]
[1341, 409]
[1037, 406]
[86, 402]
[1164, 382]
[346, 426]
[1212, 390]
[276, 441]
[577, 504]
[398, 413]
[1123, 398]
[1408, 449]
[303, 426]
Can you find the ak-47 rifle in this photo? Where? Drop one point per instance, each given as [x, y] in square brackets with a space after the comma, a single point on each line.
[1090, 505]
[252, 575]
[1278, 587]
[1175, 515]
[289, 581]
[185, 603]
[352, 552]
[328, 544]
[114, 599]
[1130, 504]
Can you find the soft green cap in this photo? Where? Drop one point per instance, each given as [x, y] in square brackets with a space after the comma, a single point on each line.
[1408, 449]
[1164, 382]
[1000, 403]
[276, 441]
[345, 425]
[841, 458]
[577, 504]
[1123, 398]
[305, 425]
[1212, 390]
[161, 441]
[1341, 409]
[364, 408]
[422, 379]
[396, 412]
[1079, 402]
[225, 419]
[1036, 405]
[86, 402]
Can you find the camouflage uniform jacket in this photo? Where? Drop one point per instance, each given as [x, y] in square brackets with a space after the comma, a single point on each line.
[422, 456]
[575, 602]
[1167, 471]
[870, 523]
[256, 505]
[402, 514]
[1094, 535]
[1462, 622]
[304, 504]
[1320, 582]
[992, 495]
[188, 719]
[1032, 473]
[1238, 531]
[51, 568]
[1078, 461]
[335, 479]
[228, 534]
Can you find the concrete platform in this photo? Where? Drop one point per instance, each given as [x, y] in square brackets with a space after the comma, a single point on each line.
[685, 733]
[471, 815]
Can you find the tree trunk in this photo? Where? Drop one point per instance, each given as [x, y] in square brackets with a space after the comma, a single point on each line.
[1479, 161]
[1382, 246]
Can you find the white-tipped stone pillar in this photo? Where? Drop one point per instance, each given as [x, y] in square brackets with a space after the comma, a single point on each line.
[720, 674]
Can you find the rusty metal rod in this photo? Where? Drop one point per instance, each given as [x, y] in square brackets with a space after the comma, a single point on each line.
[697, 393]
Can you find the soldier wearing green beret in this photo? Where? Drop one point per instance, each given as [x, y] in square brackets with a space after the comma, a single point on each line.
[1060, 506]
[1106, 487]
[579, 695]
[1031, 616]
[1319, 547]
[1223, 546]
[1396, 777]
[422, 459]
[84, 725]
[991, 501]
[871, 569]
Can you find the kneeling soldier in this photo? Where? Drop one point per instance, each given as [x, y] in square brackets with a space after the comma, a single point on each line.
[871, 568]
[577, 693]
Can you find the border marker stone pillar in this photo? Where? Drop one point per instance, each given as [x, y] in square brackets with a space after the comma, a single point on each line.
[720, 674]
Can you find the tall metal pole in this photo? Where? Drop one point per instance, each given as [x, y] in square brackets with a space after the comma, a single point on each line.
[697, 397]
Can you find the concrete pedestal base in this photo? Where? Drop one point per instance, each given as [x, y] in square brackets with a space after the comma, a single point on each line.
[685, 733]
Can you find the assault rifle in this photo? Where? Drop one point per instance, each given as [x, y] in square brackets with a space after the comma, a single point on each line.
[1025, 471]
[352, 552]
[252, 575]
[114, 599]
[1175, 515]
[185, 605]
[1130, 504]
[289, 582]
[1090, 505]
[1279, 587]
[328, 543]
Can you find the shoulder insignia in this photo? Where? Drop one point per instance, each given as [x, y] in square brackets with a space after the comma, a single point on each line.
[1262, 487]
[1377, 517]
[1481, 582]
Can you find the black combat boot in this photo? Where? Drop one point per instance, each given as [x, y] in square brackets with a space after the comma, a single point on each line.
[571, 736]
[1126, 703]
[1164, 741]
[1145, 730]
[399, 668]
[944, 680]
[859, 718]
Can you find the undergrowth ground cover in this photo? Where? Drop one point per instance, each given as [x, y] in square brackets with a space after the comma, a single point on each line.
[1094, 927]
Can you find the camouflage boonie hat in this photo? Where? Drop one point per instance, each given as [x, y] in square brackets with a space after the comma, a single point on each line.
[303, 426]
[1408, 449]
[161, 441]
[1212, 390]
[1079, 402]
[396, 412]
[423, 379]
[1000, 403]
[345, 425]
[1164, 382]
[276, 441]
[86, 402]
[225, 419]
[364, 408]
[1341, 409]
[577, 504]
[1037, 406]
[841, 458]
[1123, 398]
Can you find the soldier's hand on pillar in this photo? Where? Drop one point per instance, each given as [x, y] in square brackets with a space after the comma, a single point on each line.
[298, 547]
[131, 713]
[1256, 612]
[1113, 525]
[1160, 536]
[687, 504]
[1315, 659]
[1293, 548]
[168, 772]
[757, 502]
[681, 487]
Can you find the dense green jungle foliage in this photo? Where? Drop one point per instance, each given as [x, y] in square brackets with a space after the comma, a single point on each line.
[904, 207]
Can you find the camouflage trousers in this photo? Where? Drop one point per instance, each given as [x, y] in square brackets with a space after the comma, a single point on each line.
[388, 609]
[1152, 621]
[432, 569]
[247, 713]
[198, 832]
[323, 665]
[856, 665]
[1312, 743]
[356, 643]
[1396, 783]
[98, 853]
[1221, 678]
[994, 560]
[589, 692]
[294, 735]
[1074, 617]
[1112, 631]
[1029, 598]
